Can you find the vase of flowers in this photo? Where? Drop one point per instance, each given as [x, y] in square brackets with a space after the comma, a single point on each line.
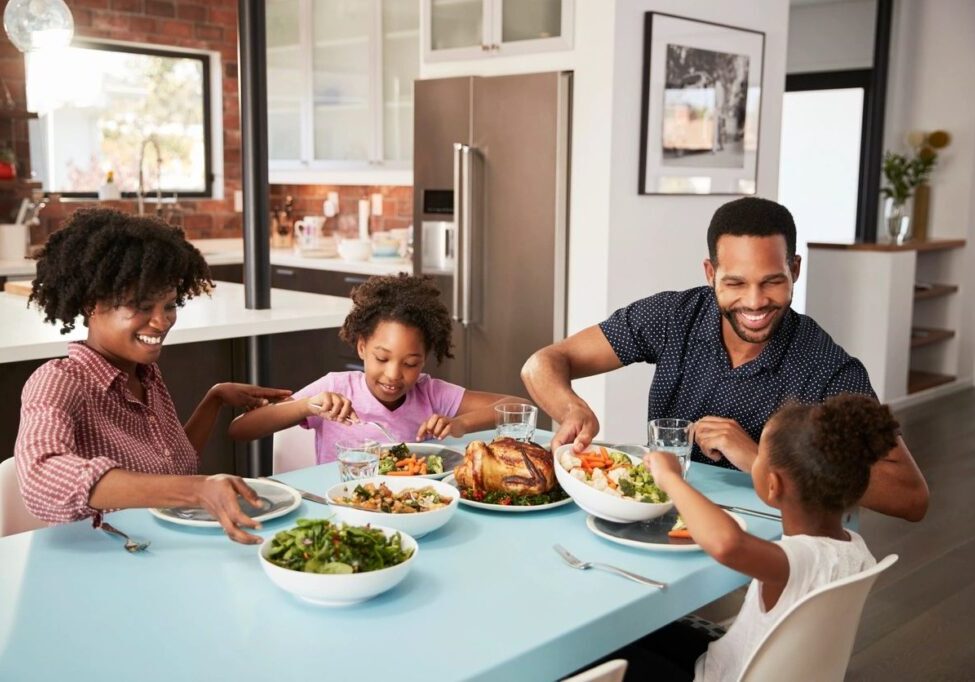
[904, 174]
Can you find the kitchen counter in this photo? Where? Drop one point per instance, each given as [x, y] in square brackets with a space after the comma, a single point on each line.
[24, 335]
[231, 252]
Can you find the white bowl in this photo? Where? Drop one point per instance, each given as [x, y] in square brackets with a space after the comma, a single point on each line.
[340, 589]
[417, 525]
[355, 249]
[601, 504]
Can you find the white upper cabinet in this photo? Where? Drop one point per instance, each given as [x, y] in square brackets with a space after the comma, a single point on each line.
[340, 90]
[466, 29]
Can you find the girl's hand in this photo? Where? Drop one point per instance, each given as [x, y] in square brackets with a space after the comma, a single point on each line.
[333, 407]
[662, 465]
[439, 427]
[248, 396]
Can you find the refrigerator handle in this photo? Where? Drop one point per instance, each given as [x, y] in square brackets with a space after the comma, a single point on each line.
[460, 201]
[466, 239]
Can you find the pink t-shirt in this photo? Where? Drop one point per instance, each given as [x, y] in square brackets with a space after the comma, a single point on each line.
[428, 396]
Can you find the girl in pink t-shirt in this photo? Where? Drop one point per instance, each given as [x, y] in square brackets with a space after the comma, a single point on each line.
[396, 322]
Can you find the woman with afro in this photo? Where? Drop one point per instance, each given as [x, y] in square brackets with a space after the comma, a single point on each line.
[98, 429]
[395, 323]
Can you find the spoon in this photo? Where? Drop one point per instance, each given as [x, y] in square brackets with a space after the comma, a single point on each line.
[132, 546]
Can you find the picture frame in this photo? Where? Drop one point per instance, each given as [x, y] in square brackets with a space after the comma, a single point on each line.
[700, 116]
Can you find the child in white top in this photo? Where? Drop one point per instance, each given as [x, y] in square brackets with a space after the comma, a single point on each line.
[813, 464]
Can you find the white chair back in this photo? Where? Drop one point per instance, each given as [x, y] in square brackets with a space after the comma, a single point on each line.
[610, 671]
[14, 517]
[294, 448]
[813, 639]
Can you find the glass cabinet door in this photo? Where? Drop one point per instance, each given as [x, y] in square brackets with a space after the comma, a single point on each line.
[456, 24]
[530, 19]
[401, 64]
[343, 112]
[285, 79]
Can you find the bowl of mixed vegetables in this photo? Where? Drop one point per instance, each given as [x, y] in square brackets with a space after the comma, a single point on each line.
[412, 505]
[429, 460]
[610, 484]
[335, 564]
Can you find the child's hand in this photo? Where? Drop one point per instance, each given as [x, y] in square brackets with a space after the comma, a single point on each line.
[661, 465]
[333, 407]
[439, 427]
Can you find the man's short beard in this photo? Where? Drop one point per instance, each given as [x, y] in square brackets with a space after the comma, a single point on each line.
[747, 335]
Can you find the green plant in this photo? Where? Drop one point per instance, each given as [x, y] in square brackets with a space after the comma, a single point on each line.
[904, 173]
[7, 155]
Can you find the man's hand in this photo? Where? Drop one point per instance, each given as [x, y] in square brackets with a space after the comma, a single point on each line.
[248, 396]
[332, 406]
[579, 426]
[717, 436]
[439, 427]
[218, 495]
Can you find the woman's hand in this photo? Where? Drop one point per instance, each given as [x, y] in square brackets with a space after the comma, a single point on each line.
[332, 406]
[439, 427]
[248, 396]
[218, 495]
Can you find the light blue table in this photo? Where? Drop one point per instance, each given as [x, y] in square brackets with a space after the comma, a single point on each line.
[488, 598]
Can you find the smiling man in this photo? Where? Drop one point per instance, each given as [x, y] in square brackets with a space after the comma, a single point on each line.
[727, 355]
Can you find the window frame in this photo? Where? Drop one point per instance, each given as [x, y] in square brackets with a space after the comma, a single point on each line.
[208, 131]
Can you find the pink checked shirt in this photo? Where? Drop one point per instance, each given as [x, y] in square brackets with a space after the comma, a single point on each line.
[79, 420]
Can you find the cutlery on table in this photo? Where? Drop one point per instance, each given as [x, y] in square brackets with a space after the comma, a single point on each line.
[752, 512]
[311, 497]
[584, 565]
[131, 545]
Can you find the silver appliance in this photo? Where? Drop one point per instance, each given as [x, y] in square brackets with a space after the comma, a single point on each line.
[490, 180]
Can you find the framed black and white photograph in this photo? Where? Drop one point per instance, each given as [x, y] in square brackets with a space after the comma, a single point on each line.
[702, 93]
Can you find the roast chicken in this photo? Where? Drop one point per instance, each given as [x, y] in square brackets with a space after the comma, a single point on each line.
[507, 465]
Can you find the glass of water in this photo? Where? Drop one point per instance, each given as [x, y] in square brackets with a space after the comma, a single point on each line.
[357, 458]
[671, 435]
[515, 420]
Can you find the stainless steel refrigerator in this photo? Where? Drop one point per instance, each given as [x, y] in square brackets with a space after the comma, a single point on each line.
[490, 179]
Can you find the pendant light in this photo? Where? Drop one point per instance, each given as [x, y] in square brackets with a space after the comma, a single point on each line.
[38, 24]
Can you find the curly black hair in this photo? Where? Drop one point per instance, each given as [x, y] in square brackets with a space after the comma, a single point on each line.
[751, 217]
[411, 300]
[828, 449]
[103, 255]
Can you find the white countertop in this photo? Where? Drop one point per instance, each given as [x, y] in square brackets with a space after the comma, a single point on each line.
[231, 252]
[25, 336]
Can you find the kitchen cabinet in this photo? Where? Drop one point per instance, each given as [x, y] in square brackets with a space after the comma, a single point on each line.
[340, 90]
[466, 29]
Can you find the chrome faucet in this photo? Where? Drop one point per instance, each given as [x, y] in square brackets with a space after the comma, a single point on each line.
[140, 192]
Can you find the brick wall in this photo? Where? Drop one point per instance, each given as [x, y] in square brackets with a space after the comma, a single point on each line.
[200, 24]
[308, 199]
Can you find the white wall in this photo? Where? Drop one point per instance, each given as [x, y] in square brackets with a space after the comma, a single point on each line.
[831, 36]
[932, 45]
[623, 246]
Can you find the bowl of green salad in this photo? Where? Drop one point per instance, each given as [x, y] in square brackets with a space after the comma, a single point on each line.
[610, 484]
[335, 564]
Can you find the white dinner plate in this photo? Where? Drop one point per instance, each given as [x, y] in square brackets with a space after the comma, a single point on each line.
[450, 480]
[452, 457]
[278, 500]
[650, 535]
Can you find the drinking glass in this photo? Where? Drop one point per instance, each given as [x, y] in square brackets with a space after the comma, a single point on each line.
[515, 420]
[357, 458]
[672, 435]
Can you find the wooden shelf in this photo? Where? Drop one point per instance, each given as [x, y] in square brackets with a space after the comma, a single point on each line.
[16, 113]
[934, 291]
[920, 381]
[925, 336]
[932, 245]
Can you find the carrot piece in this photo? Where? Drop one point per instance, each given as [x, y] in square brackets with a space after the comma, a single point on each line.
[423, 467]
[682, 533]
[399, 473]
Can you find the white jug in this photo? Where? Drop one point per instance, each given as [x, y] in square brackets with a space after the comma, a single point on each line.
[14, 240]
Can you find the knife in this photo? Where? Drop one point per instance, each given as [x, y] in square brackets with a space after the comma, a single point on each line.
[752, 512]
[311, 497]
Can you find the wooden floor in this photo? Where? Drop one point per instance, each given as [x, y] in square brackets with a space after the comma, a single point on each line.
[919, 621]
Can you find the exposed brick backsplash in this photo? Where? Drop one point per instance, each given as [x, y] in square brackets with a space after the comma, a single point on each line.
[308, 200]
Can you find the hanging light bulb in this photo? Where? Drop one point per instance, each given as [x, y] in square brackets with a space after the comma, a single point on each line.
[38, 24]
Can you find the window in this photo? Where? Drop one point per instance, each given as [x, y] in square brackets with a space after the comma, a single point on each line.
[101, 107]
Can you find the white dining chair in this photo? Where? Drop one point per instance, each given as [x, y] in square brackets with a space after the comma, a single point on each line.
[293, 448]
[14, 517]
[813, 639]
[610, 671]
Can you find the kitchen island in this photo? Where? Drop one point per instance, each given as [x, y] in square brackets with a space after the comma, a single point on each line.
[207, 347]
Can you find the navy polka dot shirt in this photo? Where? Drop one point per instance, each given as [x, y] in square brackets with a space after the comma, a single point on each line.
[680, 332]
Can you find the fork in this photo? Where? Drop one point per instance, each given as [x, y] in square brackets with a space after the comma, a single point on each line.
[131, 546]
[389, 439]
[585, 565]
